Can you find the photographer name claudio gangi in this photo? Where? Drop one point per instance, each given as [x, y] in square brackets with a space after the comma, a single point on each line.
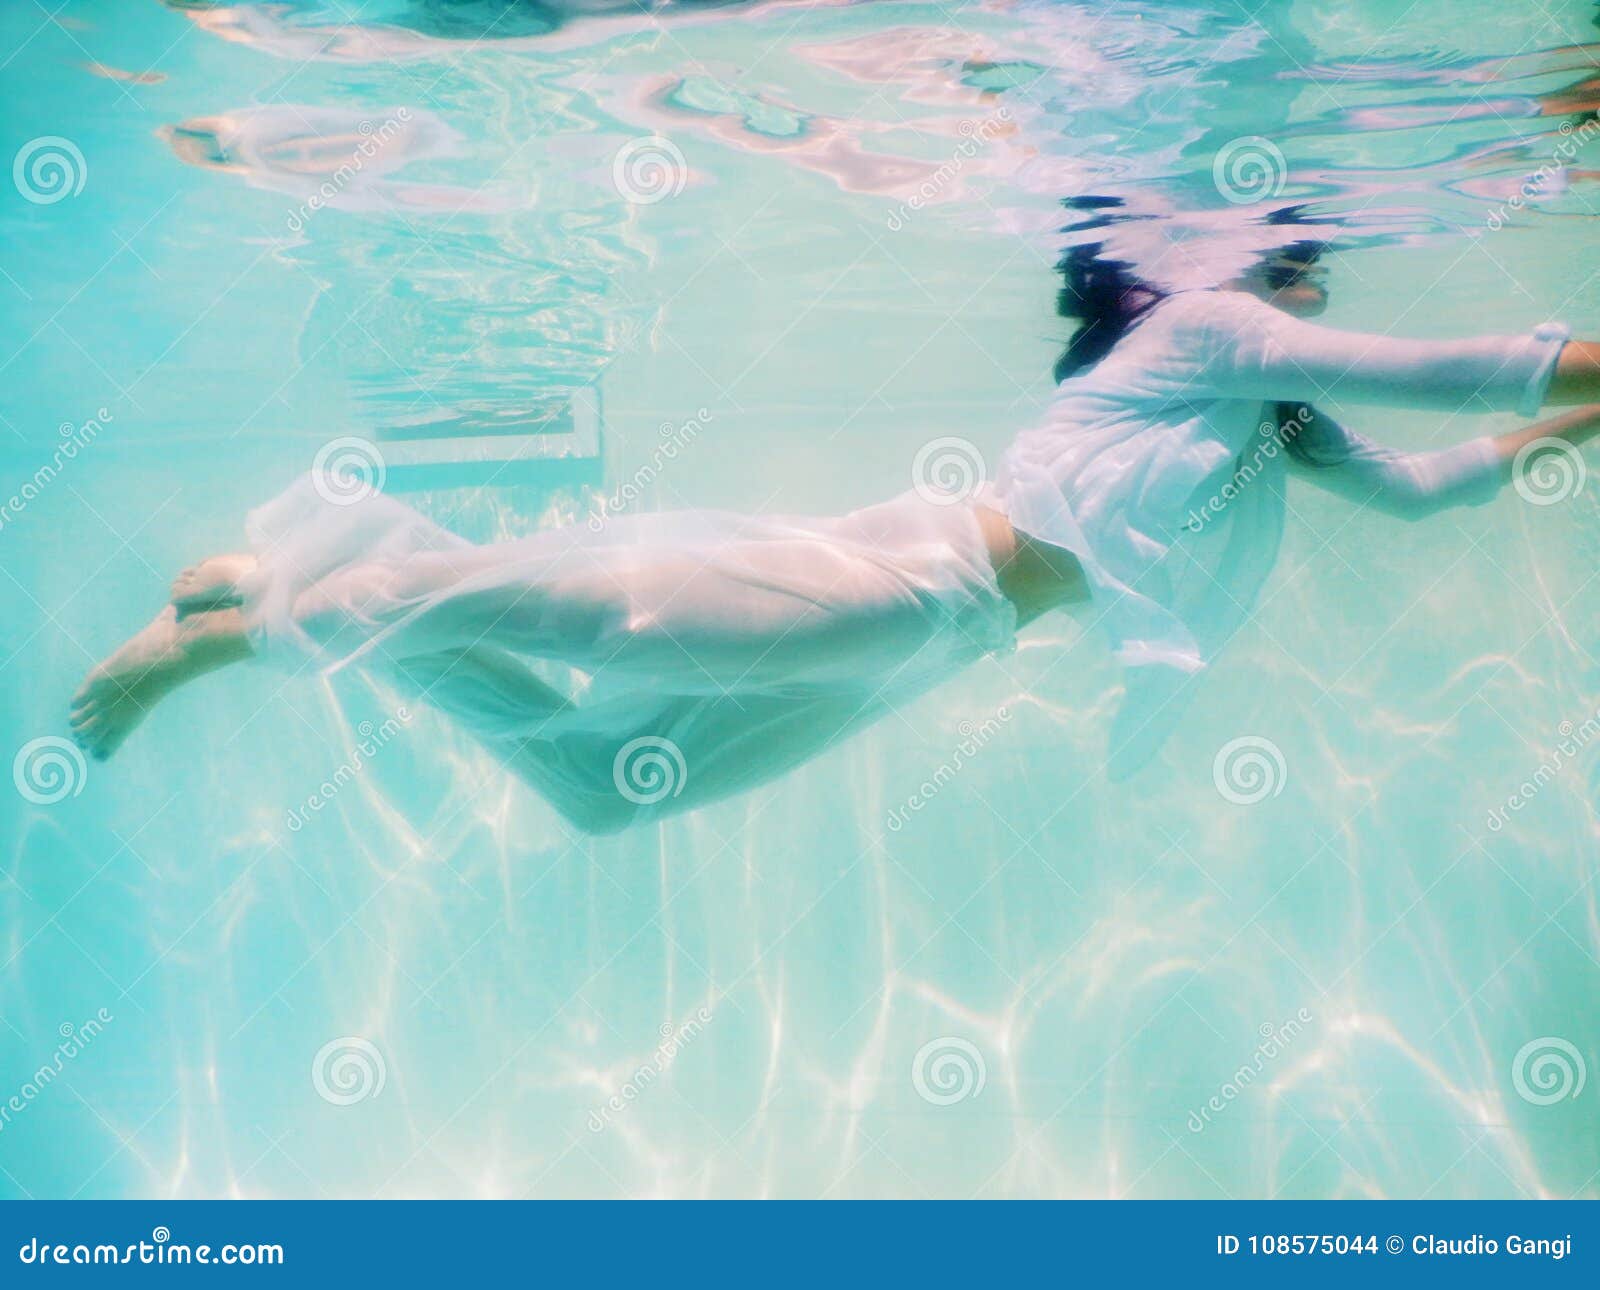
[1554, 1247]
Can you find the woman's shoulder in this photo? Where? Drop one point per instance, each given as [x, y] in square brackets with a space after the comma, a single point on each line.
[1209, 304]
[1205, 325]
[1185, 323]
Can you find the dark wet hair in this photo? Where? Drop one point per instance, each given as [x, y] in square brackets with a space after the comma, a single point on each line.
[1303, 438]
[1304, 252]
[1105, 296]
[1108, 299]
[1289, 262]
[1295, 432]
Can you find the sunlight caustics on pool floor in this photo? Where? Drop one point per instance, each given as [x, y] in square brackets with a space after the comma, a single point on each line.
[796, 244]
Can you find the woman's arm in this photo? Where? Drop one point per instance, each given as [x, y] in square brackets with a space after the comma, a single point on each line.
[1577, 375]
[1252, 350]
[1575, 427]
[1412, 485]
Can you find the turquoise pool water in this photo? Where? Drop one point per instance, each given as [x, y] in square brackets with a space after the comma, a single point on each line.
[948, 958]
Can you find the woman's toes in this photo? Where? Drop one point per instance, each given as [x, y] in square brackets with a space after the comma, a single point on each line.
[108, 742]
[85, 699]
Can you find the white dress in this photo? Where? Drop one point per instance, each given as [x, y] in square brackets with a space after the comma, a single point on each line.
[725, 649]
[1160, 468]
[701, 653]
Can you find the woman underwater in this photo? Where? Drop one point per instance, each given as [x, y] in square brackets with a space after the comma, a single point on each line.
[1150, 496]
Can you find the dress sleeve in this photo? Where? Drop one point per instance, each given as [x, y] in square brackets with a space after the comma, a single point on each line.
[1252, 350]
[1409, 485]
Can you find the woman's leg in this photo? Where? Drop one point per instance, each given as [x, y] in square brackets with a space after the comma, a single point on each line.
[576, 758]
[738, 615]
[699, 603]
[211, 584]
[120, 692]
[603, 772]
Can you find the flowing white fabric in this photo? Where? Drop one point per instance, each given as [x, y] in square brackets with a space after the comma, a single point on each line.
[1153, 469]
[751, 643]
[746, 643]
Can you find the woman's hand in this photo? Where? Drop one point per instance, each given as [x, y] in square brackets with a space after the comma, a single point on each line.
[1577, 426]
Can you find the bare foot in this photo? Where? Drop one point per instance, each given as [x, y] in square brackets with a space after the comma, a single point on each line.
[120, 692]
[211, 584]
